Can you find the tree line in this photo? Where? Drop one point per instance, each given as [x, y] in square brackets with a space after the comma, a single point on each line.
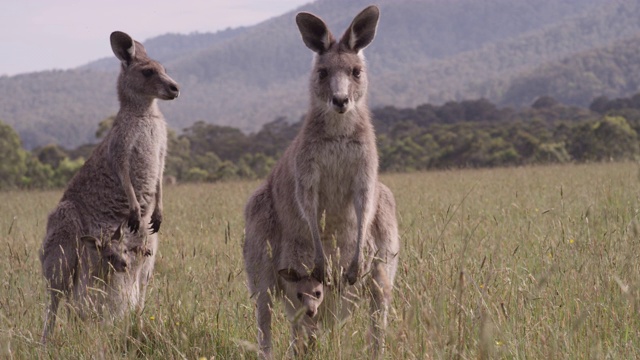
[465, 134]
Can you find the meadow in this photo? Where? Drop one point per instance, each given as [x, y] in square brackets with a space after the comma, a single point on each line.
[516, 263]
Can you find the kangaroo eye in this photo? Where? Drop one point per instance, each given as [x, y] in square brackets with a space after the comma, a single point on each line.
[148, 72]
[356, 73]
[318, 294]
[300, 296]
[322, 74]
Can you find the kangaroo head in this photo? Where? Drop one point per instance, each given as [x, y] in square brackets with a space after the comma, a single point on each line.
[140, 76]
[113, 253]
[309, 292]
[338, 79]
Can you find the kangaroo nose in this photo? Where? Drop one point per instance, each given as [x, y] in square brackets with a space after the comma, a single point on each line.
[175, 91]
[340, 101]
[311, 313]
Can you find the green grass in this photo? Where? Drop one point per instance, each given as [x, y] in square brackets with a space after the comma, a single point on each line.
[521, 263]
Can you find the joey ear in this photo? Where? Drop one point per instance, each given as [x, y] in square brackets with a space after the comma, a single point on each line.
[362, 29]
[123, 47]
[317, 277]
[118, 235]
[91, 242]
[290, 275]
[314, 31]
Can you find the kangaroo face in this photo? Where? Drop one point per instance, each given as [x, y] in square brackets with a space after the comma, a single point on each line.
[140, 75]
[339, 80]
[149, 78]
[117, 256]
[309, 292]
[113, 253]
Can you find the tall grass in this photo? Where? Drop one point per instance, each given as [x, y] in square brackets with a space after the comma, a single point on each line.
[521, 263]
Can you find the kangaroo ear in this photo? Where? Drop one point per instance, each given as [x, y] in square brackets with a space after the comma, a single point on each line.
[362, 29]
[118, 235]
[290, 275]
[123, 47]
[314, 31]
[91, 242]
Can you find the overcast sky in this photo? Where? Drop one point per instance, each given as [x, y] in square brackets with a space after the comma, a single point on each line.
[40, 35]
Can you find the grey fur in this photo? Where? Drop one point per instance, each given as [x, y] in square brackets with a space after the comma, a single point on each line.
[97, 274]
[302, 296]
[121, 180]
[330, 172]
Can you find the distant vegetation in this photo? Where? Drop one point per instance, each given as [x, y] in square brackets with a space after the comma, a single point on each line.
[426, 51]
[466, 134]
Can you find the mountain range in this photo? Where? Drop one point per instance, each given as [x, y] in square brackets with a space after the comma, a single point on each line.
[508, 51]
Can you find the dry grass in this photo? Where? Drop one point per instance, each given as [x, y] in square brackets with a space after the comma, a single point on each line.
[521, 263]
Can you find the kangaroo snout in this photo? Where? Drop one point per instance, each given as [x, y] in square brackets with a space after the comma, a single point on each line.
[312, 312]
[172, 91]
[175, 91]
[120, 266]
[340, 103]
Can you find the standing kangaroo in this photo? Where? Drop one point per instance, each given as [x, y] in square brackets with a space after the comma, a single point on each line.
[121, 180]
[330, 172]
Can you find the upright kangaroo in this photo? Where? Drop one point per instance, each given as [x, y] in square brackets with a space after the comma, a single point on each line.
[121, 180]
[330, 172]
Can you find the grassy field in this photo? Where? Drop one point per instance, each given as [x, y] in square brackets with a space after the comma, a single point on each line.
[526, 263]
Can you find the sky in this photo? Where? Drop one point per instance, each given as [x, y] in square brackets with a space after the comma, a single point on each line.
[37, 35]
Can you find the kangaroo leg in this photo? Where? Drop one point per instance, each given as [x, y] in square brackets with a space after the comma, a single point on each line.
[384, 266]
[51, 314]
[59, 258]
[263, 314]
[146, 272]
[380, 292]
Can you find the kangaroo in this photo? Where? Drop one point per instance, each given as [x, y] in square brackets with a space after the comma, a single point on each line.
[327, 176]
[122, 179]
[302, 295]
[274, 269]
[99, 260]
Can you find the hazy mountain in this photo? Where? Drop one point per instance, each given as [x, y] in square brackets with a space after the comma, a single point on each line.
[612, 71]
[425, 50]
[170, 47]
[489, 70]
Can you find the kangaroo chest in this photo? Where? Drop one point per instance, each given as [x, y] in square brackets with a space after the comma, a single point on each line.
[146, 158]
[340, 166]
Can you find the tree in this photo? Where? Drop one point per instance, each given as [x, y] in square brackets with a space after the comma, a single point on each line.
[12, 165]
[226, 142]
[178, 159]
[38, 175]
[611, 138]
[50, 154]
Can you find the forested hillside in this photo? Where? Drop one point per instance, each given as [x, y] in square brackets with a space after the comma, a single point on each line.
[425, 51]
[469, 133]
[490, 70]
[612, 70]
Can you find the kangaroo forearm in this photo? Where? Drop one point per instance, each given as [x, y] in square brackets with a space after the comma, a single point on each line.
[159, 195]
[131, 194]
